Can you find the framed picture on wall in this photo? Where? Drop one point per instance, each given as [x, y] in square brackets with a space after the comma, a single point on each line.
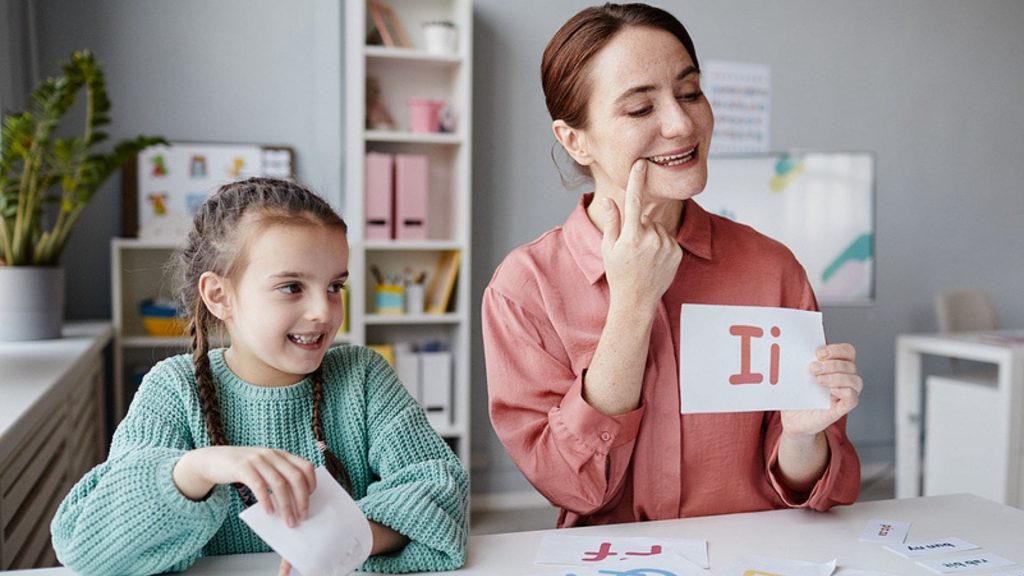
[165, 185]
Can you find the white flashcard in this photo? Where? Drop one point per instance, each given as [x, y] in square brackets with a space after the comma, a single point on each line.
[568, 550]
[747, 358]
[931, 547]
[334, 540]
[969, 563]
[768, 566]
[885, 531]
[1011, 572]
[856, 572]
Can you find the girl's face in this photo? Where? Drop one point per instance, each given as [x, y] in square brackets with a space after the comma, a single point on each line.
[646, 102]
[286, 303]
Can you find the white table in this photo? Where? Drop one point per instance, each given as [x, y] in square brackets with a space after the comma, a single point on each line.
[792, 534]
[1005, 350]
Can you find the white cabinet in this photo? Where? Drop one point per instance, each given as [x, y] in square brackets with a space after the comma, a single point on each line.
[404, 74]
[52, 432]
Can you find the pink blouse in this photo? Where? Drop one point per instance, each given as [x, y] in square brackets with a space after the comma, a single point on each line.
[543, 313]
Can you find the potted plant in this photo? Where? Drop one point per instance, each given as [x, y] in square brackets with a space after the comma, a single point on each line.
[45, 183]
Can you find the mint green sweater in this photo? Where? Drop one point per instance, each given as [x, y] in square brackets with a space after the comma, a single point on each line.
[127, 517]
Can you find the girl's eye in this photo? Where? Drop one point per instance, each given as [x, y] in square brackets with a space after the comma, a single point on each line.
[292, 288]
[336, 288]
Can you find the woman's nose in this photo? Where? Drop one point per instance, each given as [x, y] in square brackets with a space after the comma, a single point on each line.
[676, 121]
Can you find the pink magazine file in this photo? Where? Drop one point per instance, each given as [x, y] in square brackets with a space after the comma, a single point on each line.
[412, 172]
[379, 174]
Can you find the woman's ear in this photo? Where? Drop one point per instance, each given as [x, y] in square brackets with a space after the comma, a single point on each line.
[214, 291]
[574, 142]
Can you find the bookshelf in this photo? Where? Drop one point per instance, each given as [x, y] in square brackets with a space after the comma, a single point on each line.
[404, 73]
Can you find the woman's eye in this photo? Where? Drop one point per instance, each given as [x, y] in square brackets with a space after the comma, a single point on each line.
[690, 96]
[289, 289]
[639, 112]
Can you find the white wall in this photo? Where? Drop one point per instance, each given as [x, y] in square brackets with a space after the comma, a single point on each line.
[934, 87]
[260, 71]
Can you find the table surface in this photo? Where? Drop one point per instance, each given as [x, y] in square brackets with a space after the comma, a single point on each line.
[29, 369]
[793, 534]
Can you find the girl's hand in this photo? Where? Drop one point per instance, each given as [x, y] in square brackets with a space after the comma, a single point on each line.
[282, 482]
[285, 568]
[640, 257]
[835, 370]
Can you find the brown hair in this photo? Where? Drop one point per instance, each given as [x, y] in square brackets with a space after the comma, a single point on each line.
[216, 244]
[566, 60]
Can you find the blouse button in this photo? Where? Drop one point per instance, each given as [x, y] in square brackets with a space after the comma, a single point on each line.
[606, 436]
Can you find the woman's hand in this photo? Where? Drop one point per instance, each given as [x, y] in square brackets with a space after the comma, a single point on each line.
[282, 482]
[834, 369]
[640, 257]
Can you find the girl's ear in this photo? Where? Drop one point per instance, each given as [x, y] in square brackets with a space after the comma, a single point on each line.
[574, 141]
[214, 291]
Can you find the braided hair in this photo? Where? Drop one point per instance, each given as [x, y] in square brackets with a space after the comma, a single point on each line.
[216, 244]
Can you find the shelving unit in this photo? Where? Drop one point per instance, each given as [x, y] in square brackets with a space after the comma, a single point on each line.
[405, 73]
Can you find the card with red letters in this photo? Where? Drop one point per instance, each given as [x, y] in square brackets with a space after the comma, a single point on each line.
[748, 358]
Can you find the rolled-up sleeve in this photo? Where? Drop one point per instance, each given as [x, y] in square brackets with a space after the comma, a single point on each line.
[576, 456]
[838, 485]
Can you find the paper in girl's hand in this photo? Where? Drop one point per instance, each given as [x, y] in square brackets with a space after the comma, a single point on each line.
[333, 541]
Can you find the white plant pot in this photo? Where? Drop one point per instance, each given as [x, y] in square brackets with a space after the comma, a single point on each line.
[31, 302]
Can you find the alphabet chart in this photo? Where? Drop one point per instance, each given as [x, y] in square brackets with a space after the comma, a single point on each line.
[747, 358]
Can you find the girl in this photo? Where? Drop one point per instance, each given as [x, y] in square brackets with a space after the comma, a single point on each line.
[581, 326]
[207, 434]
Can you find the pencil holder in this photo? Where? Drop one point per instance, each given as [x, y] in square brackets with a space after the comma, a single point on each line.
[389, 299]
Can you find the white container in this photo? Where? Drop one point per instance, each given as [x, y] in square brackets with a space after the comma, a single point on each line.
[414, 298]
[440, 37]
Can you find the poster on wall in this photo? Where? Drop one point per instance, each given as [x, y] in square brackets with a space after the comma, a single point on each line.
[819, 204]
[173, 181]
[740, 95]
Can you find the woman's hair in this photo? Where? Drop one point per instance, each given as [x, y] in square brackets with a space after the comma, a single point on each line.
[566, 60]
[565, 65]
[217, 243]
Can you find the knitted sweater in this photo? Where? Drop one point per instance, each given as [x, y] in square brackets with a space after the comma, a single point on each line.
[126, 516]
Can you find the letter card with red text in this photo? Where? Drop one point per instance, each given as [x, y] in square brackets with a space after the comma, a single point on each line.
[748, 358]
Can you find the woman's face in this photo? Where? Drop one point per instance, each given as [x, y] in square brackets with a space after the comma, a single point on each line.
[646, 102]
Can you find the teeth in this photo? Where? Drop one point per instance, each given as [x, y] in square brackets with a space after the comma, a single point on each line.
[673, 160]
[309, 339]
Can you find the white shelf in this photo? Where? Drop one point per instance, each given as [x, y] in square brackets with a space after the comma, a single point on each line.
[412, 55]
[398, 136]
[402, 319]
[411, 245]
[403, 74]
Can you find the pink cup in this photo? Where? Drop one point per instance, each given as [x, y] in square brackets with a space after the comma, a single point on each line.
[425, 114]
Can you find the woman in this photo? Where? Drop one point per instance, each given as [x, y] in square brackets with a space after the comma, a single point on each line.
[581, 326]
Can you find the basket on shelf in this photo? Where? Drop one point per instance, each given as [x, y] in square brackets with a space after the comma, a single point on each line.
[161, 318]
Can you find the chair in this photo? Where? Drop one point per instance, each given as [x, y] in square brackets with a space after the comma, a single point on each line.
[965, 311]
